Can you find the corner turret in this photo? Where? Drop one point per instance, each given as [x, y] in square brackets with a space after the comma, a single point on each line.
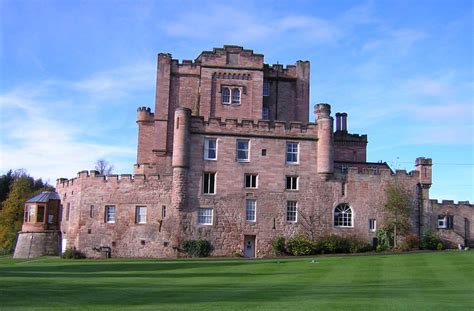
[325, 154]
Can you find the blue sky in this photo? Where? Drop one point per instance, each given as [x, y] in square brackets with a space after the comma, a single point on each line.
[72, 74]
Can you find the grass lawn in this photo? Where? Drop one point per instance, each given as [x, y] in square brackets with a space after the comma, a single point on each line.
[415, 281]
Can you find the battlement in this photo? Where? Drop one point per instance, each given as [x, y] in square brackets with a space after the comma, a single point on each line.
[144, 114]
[94, 176]
[343, 137]
[423, 161]
[259, 128]
[450, 204]
[378, 171]
[231, 49]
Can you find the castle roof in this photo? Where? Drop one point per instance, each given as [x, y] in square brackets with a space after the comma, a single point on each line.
[44, 197]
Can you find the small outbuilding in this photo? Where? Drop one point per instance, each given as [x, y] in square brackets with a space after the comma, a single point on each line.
[40, 234]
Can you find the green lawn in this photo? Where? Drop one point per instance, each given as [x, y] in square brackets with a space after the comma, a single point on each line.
[416, 281]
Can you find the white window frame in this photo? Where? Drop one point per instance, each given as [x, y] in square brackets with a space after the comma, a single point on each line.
[292, 152]
[207, 140]
[345, 221]
[266, 88]
[292, 178]
[110, 217]
[442, 222]
[235, 98]
[243, 150]
[253, 179]
[225, 96]
[205, 216]
[140, 217]
[208, 182]
[291, 211]
[372, 225]
[251, 210]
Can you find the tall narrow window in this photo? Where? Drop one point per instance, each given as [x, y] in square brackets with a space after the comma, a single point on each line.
[163, 211]
[68, 208]
[250, 210]
[209, 183]
[372, 225]
[140, 215]
[110, 214]
[291, 211]
[292, 153]
[265, 113]
[343, 216]
[235, 96]
[251, 181]
[91, 211]
[40, 217]
[291, 182]
[205, 216]
[243, 150]
[266, 88]
[226, 95]
[210, 149]
[32, 213]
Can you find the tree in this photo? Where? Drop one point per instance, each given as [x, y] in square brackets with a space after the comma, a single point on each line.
[11, 215]
[398, 205]
[6, 181]
[104, 167]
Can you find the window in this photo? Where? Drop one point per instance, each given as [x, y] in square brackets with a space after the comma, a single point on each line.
[291, 211]
[235, 96]
[209, 183]
[226, 96]
[251, 181]
[205, 216]
[372, 225]
[266, 88]
[68, 208]
[291, 182]
[343, 216]
[292, 153]
[264, 152]
[250, 209]
[91, 211]
[110, 214]
[40, 217]
[243, 150]
[140, 215]
[210, 149]
[32, 213]
[265, 113]
[445, 222]
[163, 211]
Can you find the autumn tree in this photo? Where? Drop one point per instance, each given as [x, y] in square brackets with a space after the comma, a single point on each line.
[104, 167]
[398, 205]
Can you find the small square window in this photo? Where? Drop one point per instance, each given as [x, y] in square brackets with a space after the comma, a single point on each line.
[291, 182]
[251, 181]
[292, 153]
[205, 216]
[372, 225]
[243, 150]
[110, 214]
[210, 149]
[140, 215]
[250, 210]
[291, 211]
[264, 152]
[209, 183]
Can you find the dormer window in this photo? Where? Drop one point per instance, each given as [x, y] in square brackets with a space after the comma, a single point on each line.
[226, 96]
[235, 96]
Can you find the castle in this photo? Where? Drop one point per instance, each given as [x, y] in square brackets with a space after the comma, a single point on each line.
[229, 155]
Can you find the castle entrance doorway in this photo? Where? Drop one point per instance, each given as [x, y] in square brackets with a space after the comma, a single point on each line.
[249, 246]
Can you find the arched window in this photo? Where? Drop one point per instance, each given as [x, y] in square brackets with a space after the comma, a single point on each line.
[226, 95]
[235, 96]
[343, 216]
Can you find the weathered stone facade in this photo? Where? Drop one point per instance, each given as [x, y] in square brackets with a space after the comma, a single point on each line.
[229, 156]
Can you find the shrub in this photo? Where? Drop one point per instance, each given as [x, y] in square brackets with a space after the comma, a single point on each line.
[332, 244]
[196, 248]
[412, 241]
[440, 246]
[300, 245]
[278, 246]
[358, 246]
[384, 238]
[72, 253]
[430, 241]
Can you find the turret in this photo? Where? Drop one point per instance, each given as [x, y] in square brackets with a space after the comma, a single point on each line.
[325, 160]
[144, 114]
[181, 137]
[423, 166]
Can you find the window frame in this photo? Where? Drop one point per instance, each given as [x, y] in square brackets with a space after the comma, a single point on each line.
[292, 177]
[209, 183]
[207, 149]
[447, 222]
[247, 150]
[291, 212]
[226, 96]
[372, 224]
[342, 223]
[266, 88]
[235, 99]
[108, 219]
[252, 178]
[292, 152]
[202, 216]
[251, 210]
[138, 216]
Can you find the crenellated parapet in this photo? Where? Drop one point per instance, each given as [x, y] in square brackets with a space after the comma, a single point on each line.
[450, 204]
[144, 114]
[345, 138]
[264, 128]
